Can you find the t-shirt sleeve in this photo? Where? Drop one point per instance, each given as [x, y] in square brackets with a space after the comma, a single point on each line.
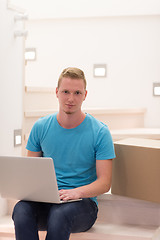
[34, 140]
[104, 145]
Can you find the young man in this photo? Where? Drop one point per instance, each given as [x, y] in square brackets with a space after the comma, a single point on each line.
[82, 150]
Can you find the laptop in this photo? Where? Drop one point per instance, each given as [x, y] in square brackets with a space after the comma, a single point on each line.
[29, 178]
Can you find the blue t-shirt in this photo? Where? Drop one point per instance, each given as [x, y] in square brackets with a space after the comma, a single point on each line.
[74, 151]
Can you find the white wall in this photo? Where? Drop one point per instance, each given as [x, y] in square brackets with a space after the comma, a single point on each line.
[11, 79]
[128, 45]
[87, 8]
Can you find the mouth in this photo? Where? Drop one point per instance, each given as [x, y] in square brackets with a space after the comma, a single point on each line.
[69, 105]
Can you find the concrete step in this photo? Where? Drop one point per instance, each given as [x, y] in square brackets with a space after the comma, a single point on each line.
[6, 228]
[119, 218]
[117, 232]
[40, 98]
[100, 231]
[114, 209]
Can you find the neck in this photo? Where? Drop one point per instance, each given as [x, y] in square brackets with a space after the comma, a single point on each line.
[70, 120]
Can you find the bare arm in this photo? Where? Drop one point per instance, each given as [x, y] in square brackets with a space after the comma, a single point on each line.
[34, 154]
[101, 185]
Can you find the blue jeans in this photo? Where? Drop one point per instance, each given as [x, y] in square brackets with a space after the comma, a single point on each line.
[59, 220]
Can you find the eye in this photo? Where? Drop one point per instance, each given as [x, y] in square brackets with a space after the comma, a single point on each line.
[78, 92]
[65, 91]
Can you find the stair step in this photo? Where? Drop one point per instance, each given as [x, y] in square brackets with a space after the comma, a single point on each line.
[100, 231]
[116, 232]
[120, 210]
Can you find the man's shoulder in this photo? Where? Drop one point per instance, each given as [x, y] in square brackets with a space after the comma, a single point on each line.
[45, 120]
[95, 122]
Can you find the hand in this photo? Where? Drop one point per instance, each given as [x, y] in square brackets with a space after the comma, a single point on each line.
[69, 194]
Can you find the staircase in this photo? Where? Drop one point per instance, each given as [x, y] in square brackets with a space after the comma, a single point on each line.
[119, 218]
[38, 102]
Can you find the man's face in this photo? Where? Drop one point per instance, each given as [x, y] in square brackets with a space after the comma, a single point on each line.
[71, 95]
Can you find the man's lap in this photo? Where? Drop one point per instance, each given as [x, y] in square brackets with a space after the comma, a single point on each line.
[81, 215]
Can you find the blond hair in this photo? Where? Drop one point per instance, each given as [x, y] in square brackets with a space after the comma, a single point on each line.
[74, 73]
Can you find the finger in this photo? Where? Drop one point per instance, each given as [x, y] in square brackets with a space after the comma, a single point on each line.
[61, 192]
[64, 195]
[65, 198]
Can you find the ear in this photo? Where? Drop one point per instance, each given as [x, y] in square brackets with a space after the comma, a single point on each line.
[85, 95]
[57, 92]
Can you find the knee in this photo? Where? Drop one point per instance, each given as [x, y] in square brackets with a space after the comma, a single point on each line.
[57, 218]
[21, 211]
[55, 215]
[58, 226]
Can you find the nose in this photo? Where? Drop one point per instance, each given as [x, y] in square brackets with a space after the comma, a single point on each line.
[71, 97]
